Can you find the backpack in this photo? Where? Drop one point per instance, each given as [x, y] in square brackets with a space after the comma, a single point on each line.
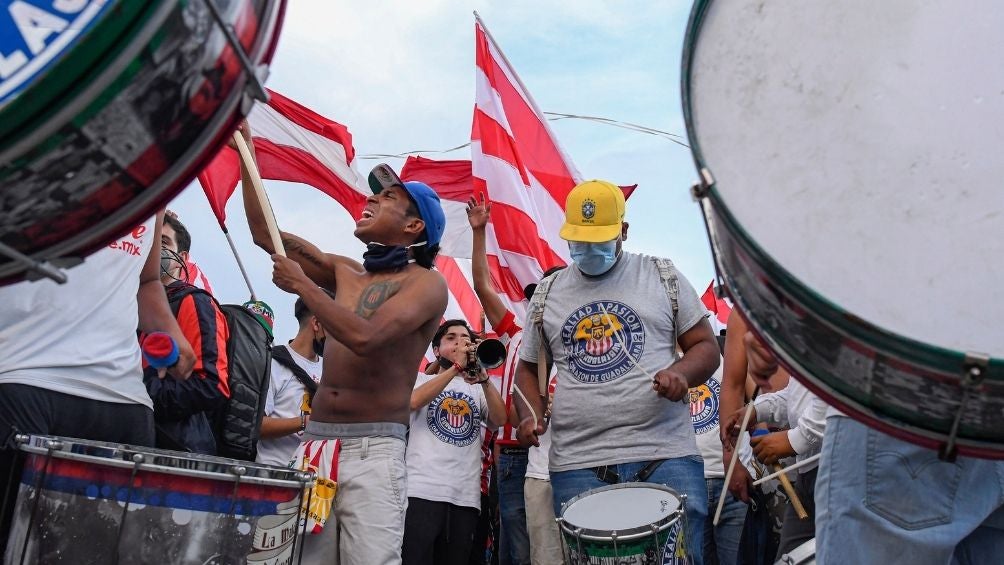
[535, 312]
[249, 357]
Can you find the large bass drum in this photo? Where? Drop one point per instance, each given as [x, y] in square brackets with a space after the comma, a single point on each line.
[851, 178]
[108, 108]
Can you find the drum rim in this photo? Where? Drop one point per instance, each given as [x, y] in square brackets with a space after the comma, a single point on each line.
[937, 357]
[883, 341]
[154, 195]
[628, 534]
[124, 452]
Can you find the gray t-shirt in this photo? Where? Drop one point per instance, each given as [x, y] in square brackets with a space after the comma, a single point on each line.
[605, 411]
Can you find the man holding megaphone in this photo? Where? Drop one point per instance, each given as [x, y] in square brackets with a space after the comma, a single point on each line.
[444, 448]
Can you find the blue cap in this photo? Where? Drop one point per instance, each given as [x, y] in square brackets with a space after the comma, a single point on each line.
[426, 200]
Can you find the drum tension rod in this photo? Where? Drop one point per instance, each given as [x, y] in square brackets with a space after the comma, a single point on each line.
[38, 269]
[974, 371]
[700, 189]
[255, 87]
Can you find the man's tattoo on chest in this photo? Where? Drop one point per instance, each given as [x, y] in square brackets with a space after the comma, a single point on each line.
[374, 296]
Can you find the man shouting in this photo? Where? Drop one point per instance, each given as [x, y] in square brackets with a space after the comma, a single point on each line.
[379, 324]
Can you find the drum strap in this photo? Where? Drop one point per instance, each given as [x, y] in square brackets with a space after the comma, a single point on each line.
[667, 275]
[609, 475]
[535, 314]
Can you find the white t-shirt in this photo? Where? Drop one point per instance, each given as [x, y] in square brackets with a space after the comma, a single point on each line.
[704, 412]
[444, 444]
[284, 400]
[79, 338]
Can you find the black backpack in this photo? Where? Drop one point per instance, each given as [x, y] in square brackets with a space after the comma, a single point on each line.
[249, 357]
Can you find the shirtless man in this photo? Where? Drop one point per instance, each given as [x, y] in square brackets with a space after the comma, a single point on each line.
[379, 325]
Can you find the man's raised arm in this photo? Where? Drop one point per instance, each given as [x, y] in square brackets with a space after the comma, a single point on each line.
[477, 215]
[317, 265]
[385, 311]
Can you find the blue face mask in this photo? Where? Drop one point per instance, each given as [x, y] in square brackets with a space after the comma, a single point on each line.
[593, 259]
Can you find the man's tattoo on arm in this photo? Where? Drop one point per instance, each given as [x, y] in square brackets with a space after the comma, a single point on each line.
[375, 295]
[294, 246]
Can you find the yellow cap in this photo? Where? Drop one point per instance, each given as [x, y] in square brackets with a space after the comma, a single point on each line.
[594, 211]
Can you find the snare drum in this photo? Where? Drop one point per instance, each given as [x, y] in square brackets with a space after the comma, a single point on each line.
[623, 524]
[849, 156]
[112, 110]
[91, 502]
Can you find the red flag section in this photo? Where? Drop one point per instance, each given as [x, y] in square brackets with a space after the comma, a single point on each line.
[719, 306]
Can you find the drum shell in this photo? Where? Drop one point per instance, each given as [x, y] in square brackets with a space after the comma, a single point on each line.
[130, 134]
[903, 387]
[183, 508]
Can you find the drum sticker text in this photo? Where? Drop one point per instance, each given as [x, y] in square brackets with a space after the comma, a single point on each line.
[32, 37]
[454, 418]
[601, 344]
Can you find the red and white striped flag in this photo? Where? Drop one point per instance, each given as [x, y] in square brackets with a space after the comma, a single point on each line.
[519, 164]
[196, 276]
[293, 143]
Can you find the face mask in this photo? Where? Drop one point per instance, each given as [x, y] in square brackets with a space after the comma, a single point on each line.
[169, 261]
[593, 259]
[380, 257]
[318, 347]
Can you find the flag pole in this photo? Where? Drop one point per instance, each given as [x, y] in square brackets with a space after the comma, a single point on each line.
[240, 264]
[259, 190]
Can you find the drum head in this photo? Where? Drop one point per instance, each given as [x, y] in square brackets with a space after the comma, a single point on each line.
[621, 507]
[858, 144]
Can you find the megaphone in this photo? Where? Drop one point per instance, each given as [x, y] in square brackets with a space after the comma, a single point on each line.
[490, 353]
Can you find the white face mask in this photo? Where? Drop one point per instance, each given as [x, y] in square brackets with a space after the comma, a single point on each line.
[593, 259]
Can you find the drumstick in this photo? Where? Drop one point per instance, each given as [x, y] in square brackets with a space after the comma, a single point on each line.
[801, 463]
[732, 462]
[790, 491]
[259, 190]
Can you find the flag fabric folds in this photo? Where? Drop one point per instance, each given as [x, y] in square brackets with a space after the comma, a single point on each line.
[293, 143]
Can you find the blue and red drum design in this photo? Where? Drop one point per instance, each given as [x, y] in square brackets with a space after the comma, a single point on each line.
[92, 502]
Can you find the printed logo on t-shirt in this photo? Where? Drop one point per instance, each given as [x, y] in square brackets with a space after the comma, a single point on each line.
[601, 343]
[704, 406]
[454, 418]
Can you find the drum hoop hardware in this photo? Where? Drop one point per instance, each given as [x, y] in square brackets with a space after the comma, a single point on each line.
[51, 446]
[700, 191]
[974, 371]
[190, 473]
[304, 512]
[137, 459]
[255, 87]
[36, 269]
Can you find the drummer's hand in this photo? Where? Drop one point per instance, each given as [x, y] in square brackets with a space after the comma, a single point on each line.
[772, 447]
[670, 384]
[529, 435]
[760, 361]
[728, 427]
[186, 361]
[288, 275]
[741, 483]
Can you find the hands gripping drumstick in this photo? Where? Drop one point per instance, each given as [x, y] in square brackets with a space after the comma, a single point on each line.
[732, 461]
[796, 503]
[259, 190]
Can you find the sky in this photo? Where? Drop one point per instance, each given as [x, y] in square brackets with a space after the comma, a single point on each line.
[400, 75]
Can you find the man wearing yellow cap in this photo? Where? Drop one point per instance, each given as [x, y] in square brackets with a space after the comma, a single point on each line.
[613, 326]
